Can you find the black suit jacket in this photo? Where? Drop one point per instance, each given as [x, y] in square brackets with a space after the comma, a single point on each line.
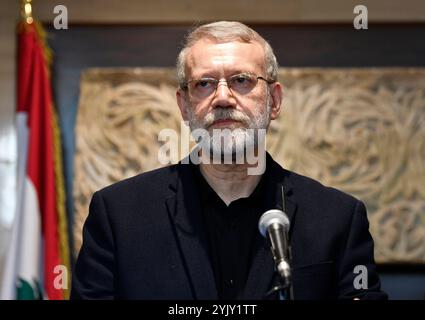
[143, 239]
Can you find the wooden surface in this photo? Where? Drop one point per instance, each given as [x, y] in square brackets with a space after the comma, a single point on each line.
[255, 11]
[337, 45]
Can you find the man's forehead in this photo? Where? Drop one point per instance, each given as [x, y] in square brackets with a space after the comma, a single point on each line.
[206, 53]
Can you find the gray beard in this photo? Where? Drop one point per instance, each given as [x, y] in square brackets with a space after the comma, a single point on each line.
[226, 143]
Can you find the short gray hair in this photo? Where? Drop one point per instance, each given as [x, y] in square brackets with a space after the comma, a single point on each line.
[226, 31]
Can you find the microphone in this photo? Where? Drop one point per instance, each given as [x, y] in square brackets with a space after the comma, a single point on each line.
[274, 226]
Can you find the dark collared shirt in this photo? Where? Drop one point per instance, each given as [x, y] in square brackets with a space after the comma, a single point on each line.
[232, 231]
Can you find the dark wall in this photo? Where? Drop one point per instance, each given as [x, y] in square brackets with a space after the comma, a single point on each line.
[312, 45]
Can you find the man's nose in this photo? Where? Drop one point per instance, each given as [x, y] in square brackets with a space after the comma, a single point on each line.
[223, 88]
[224, 97]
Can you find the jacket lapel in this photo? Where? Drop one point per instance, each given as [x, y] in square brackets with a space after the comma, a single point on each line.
[262, 277]
[185, 211]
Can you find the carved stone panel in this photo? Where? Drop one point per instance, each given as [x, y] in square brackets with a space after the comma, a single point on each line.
[358, 130]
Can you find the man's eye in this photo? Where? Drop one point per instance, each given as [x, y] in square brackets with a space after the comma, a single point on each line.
[241, 79]
[203, 84]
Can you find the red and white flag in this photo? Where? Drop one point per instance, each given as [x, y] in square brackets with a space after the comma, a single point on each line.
[37, 261]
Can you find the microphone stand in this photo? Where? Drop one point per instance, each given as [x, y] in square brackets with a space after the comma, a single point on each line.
[284, 288]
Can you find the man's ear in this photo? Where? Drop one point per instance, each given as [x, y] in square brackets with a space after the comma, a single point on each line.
[181, 102]
[276, 95]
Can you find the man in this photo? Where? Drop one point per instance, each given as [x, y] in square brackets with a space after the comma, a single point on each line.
[191, 231]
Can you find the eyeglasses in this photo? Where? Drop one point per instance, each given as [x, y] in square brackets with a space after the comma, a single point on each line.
[239, 83]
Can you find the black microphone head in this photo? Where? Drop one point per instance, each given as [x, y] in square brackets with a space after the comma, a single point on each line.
[270, 217]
